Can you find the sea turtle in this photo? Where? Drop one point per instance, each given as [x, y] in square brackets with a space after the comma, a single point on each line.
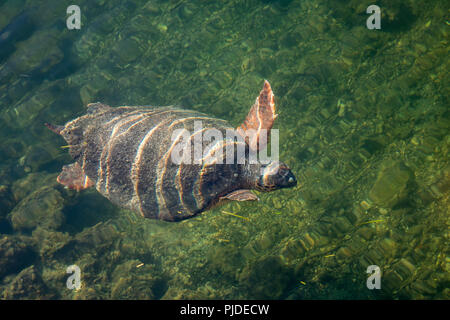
[127, 153]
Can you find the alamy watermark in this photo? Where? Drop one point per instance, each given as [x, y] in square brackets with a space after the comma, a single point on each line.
[374, 280]
[210, 146]
[74, 20]
[374, 20]
[73, 281]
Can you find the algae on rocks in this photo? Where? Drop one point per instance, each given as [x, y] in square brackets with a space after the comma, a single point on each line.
[391, 186]
[347, 98]
[16, 252]
[136, 280]
[267, 278]
[28, 284]
[43, 208]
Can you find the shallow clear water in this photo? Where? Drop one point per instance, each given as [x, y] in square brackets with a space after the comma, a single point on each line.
[363, 123]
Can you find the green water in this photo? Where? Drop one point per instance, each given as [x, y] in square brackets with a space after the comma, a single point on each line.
[363, 123]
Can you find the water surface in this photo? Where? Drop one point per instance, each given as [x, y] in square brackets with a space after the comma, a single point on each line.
[363, 122]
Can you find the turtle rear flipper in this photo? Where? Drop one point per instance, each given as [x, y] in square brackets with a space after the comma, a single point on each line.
[72, 176]
[261, 117]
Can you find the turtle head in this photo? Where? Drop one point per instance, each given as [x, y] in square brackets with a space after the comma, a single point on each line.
[275, 175]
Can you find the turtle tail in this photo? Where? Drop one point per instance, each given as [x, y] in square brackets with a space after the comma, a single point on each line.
[55, 128]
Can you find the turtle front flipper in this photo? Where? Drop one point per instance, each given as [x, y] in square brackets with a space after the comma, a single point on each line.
[72, 176]
[240, 195]
[237, 195]
[259, 119]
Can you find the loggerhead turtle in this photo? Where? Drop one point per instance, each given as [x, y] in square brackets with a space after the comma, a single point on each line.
[126, 153]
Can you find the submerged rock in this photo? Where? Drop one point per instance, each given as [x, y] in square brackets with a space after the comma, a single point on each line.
[6, 201]
[37, 156]
[225, 260]
[267, 278]
[33, 181]
[134, 280]
[99, 236]
[50, 242]
[28, 285]
[14, 255]
[38, 54]
[391, 185]
[41, 208]
[26, 112]
[127, 50]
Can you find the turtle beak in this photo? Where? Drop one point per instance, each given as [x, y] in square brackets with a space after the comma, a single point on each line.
[291, 180]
